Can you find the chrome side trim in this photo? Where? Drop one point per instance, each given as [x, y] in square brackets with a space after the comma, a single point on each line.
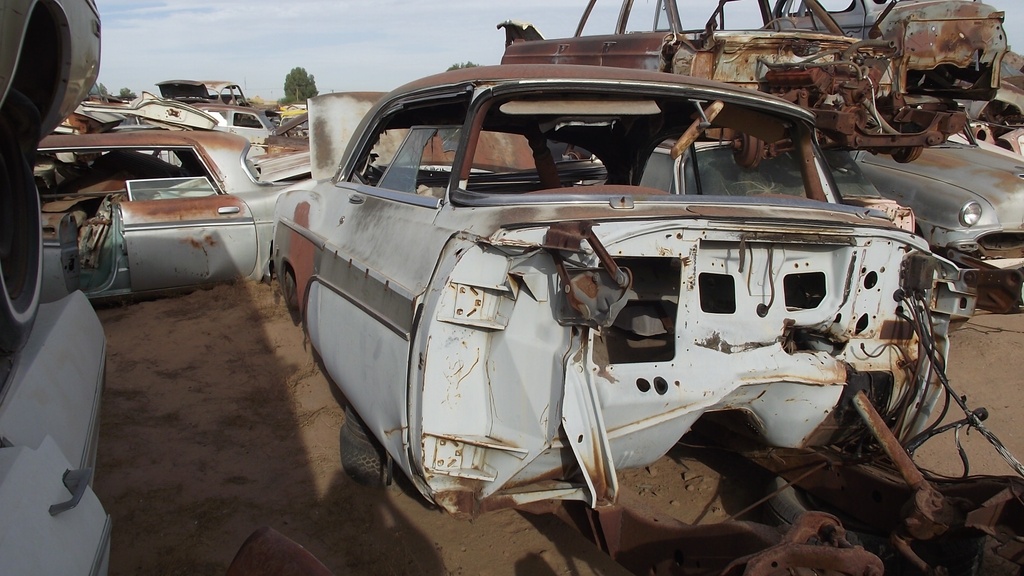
[212, 223]
[101, 561]
[377, 299]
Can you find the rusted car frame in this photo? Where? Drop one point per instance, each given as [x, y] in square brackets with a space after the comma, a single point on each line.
[218, 91]
[543, 324]
[893, 94]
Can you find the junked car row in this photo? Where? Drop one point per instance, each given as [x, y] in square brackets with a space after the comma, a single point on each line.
[888, 84]
[528, 277]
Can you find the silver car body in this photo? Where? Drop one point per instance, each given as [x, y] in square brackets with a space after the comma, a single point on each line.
[513, 335]
[49, 429]
[944, 181]
[154, 210]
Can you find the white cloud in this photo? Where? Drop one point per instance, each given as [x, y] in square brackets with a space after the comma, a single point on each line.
[346, 44]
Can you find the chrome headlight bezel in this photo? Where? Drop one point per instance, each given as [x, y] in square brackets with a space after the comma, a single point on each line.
[970, 213]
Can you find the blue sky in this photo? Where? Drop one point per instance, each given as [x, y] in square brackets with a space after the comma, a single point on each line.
[345, 44]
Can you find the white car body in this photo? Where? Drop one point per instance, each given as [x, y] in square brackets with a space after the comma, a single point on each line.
[467, 306]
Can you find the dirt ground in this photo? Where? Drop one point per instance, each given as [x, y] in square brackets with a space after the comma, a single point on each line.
[217, 421]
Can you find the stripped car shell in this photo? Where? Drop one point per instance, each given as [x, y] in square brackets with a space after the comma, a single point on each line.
[152, 210]
[536, 327]
[892, 94]
[219, 91]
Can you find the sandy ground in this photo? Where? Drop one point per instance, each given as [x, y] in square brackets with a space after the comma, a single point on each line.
[217, 421]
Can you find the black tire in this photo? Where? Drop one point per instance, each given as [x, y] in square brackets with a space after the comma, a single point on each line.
[960, 556]
[288, 289]
[362, 457]
[21, 242]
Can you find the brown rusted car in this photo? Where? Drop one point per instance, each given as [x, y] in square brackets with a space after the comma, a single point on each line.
[894, 92]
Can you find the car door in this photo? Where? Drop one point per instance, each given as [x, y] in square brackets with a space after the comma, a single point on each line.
[182, 232]
[378, 256]
[247, 124]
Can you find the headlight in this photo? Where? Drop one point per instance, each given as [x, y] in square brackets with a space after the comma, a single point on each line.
[970, 213]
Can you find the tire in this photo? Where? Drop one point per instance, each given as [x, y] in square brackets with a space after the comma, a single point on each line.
[21, 242]
[960, 556]
[288, 289]
[362, 457]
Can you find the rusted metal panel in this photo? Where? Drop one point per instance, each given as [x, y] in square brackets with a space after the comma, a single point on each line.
[267, 552]
[865, 93]
[962, 35]
[645, 541]
[332, 120]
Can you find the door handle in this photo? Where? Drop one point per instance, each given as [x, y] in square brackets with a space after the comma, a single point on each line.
[76, 481]
[228, 210]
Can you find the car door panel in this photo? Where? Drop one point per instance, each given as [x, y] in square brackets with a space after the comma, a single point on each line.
[372, 274]
[186, 241]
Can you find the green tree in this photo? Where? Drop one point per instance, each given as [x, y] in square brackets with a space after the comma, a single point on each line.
[127, 94]
[299, 86]
[466, 64]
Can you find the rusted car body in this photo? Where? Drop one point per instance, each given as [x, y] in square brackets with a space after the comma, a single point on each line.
[892, 94]
[1000, 120]
[52, 355]
[144, 211]
[216, 91]
[514, 310]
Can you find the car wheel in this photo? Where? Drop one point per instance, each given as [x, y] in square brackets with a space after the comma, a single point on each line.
[960, 556]
[288, 289]
[20, 229]
[362, 457]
